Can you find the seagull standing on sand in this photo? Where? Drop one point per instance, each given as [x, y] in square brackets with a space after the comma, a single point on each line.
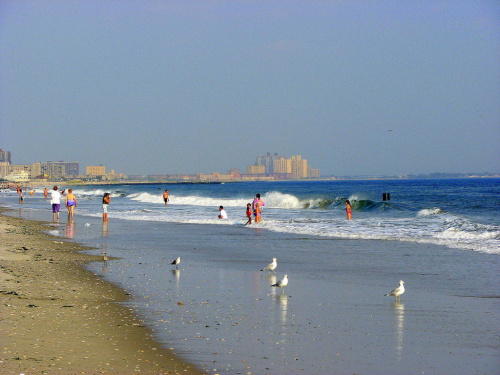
[271, 266]
[397, 292]
[282, 283]
[176, 262]
[105, 257]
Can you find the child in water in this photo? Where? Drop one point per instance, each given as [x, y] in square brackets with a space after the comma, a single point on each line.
[249, 214]
[257, 213]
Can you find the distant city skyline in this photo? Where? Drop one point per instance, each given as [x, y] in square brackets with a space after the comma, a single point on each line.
[358, 88]
[64, 169]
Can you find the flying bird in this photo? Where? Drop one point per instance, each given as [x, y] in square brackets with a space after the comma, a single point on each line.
[282, 283]
[397, 292]
[176, 262]
[271, 266]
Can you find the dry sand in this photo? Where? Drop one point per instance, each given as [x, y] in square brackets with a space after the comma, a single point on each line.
[57, 318]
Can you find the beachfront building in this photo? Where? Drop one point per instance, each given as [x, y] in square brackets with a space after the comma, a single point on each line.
[256, 169]
[99, 170]
[267, 161]
[20, 176]
[4, 168]
[60, 169]
[282, 167]
[312, 172]
[299, 167]
[4, 156]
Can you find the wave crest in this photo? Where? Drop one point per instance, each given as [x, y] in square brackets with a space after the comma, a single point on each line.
[429, 212]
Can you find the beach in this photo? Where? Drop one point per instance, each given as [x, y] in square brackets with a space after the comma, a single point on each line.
[218, 311]
[58, 318]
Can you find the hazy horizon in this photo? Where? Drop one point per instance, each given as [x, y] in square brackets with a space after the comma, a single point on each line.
[164, 87]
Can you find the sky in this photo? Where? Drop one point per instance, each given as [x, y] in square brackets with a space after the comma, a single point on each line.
[373, 87]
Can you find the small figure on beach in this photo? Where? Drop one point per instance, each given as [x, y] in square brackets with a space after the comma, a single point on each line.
[105, 202]
[176, 262]
[45, 193]
[71, 203]
[348, 209]
[257, 212]
[271, 266]
[222, 213]
[55, 201]
[282, 283]
[257, 203]
[258, 200]
[249, 214]
[165, 197]
[397, 292]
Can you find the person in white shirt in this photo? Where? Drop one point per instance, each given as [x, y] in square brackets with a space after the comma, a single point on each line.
[55, 200]
[222, 213]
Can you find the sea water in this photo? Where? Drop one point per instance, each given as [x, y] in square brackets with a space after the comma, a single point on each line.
[219, 311]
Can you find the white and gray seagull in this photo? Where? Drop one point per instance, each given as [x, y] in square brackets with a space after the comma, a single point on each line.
[398, 291]
[271, 266]
[176, 262]
[282, 283]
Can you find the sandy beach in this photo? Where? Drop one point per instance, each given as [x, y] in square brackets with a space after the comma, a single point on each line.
[58, 318]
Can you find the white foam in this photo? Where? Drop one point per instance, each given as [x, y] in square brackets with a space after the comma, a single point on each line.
[429, 212]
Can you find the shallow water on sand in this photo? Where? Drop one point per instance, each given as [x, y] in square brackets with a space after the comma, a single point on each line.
[219, 311]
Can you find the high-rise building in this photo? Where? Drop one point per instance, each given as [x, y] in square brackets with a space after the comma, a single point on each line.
[299, 167]
[282, 165]
[5, 156]
[60, 169]
[267, 161]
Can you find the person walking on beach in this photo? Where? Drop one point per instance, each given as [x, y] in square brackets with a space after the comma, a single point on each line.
[55, 201]
[45, 193]
[222, 213]
[105, 201]
[249, 214]
[71, 203]
[165, 197]
[348, 209]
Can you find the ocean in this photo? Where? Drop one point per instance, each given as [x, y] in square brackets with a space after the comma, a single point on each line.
[219, 311]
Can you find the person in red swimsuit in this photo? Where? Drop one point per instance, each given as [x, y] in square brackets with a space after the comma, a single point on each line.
[348, 209]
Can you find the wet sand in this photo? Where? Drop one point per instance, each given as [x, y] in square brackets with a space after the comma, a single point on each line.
[58, 318]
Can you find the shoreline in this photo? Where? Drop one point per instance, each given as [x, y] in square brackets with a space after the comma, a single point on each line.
[59, 318]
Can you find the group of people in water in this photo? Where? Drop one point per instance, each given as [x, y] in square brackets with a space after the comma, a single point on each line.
[253, 209]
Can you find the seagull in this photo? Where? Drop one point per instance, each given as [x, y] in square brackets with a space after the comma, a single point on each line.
[282, 283]
[271, 266]
[176, 262]
[105, 257]
[398, 291]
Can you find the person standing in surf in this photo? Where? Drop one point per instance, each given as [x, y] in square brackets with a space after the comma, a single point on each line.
[249, 214]
[71, 203]
[165, 197]
[348, 210]
[105, 201]
[260, 203]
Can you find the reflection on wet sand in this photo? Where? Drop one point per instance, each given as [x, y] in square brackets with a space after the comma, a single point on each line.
[399, 310]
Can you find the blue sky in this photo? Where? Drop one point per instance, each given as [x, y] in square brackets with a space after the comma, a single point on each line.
[201, 86]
